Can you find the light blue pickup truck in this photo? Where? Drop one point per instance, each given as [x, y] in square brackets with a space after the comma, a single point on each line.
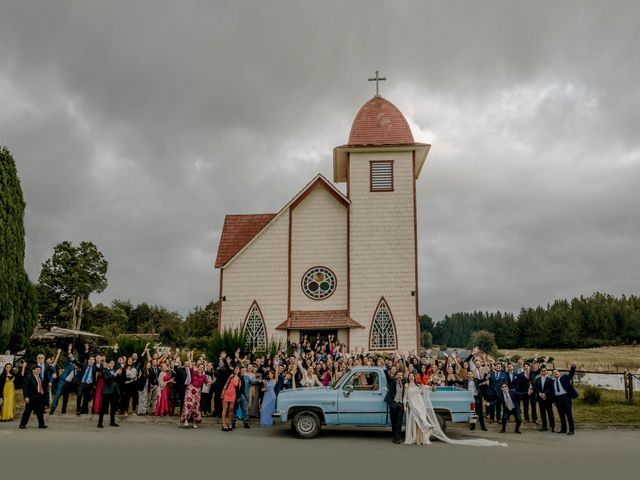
[358, 400]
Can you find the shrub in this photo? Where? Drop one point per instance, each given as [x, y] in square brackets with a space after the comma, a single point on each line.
[130, 344]
[228, 340]
[591, 395]
[485, 341]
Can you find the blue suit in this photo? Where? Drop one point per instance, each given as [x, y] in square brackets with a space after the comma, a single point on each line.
[563, 400]
[495, 382]
[64, 386]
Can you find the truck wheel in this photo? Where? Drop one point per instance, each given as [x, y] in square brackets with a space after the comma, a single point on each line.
[441, 422]
[306, 425]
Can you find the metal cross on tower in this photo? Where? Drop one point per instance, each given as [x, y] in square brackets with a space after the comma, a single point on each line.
[377, 79]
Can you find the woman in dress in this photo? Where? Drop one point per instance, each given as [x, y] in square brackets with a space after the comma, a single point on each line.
[191, 404]
[7, 393]
[130, 393]
[422, 421]
[229, 396]
[424, 375]
[269, 400]
[97, 395]
[164, 381]
[143, 389]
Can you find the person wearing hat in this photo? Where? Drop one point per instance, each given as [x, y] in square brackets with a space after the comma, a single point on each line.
[33, 389]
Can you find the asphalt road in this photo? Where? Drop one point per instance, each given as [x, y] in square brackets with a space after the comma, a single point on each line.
[75, 448]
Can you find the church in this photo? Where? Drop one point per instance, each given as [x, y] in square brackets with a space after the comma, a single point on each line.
[334, 263]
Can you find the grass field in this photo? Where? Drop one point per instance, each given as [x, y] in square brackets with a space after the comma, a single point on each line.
[613, 409]
[603, 359]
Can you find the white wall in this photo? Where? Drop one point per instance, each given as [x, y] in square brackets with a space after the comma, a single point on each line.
[259, 273]
[382, 248]
[319, 238]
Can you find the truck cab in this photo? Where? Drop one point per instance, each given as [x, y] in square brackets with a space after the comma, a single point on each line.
[357, 399]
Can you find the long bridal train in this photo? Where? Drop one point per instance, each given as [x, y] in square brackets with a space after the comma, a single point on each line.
[422, 421]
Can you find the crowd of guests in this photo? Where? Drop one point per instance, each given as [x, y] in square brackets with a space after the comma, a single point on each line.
[241, 386]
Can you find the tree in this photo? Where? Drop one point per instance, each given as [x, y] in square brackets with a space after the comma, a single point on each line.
[485, 341]
[17, 297]
[201, 322]
[72, 274]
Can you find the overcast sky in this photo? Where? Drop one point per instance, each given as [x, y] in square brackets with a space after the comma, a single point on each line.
[139, 125]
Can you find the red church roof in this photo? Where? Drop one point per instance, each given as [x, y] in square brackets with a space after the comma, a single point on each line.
[379, 122]
[318, 320]
[238, 230]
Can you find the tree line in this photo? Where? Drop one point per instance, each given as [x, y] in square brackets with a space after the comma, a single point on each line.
[582, 322]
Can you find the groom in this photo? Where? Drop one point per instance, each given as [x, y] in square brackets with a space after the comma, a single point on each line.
[394, 398]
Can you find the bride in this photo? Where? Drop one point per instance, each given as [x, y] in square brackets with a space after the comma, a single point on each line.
[422, 422]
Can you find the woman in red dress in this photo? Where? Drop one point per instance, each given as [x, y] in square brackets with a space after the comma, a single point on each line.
[97, 395]
[229, 395]
[164, 379]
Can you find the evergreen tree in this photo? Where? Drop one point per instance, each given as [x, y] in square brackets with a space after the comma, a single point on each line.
[17, 297]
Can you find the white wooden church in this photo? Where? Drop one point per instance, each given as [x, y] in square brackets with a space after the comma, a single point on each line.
[330, 263]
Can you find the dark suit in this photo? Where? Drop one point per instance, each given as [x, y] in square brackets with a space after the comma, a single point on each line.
[563, 400]
[110, 394]
[495, 382]
[86, 381]
[396, 409]
[477, 399]
[36, 400]
[522, 387]
[545, 404]
[507, 412]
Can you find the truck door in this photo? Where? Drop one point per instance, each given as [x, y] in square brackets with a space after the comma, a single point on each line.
[361, 400]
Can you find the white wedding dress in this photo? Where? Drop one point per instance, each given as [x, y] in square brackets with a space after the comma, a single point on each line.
[422, 422]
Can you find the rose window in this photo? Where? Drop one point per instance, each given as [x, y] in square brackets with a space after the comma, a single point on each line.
[318, 283]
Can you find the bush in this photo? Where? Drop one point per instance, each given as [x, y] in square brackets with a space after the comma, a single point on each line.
[130, 344]
[485, 341]
[591, 395]
[229, 340]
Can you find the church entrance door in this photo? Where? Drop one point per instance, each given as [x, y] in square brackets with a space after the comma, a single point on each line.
[314, 335]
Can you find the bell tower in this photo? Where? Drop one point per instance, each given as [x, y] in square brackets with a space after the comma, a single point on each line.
[380, 165]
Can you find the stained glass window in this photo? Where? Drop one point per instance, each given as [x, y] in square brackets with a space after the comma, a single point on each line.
[254, 329]
[383, 332]
[318, 283]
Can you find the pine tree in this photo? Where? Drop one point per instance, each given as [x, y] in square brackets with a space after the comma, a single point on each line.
[17, 296]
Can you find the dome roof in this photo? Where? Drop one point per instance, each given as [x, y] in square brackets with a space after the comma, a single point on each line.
[379, 122]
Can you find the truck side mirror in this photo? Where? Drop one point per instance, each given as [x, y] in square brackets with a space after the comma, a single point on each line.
[347, 390]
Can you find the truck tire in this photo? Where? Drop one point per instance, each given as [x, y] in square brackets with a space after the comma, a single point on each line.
[442, 422]
[306, 425]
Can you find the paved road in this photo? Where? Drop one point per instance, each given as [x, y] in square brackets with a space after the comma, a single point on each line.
[162, 450]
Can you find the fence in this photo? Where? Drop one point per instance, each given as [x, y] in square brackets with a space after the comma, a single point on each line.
[627, 381]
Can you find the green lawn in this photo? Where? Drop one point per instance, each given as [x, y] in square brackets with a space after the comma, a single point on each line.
[613, 409]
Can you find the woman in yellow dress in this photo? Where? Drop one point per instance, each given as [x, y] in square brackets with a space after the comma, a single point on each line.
[7, 393]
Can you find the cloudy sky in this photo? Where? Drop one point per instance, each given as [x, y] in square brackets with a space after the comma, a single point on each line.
[139, 125]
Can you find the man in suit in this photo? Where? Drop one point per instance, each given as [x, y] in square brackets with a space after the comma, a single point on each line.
[511, 406]
[525, 393]
[47, 374]
[394, 398]
[564, 392]
[87, 379]
[110, 392]
[496, 378]
[153, 384]
[472, 384]
[512, 376]
[65, 383]
[33, 390]
[543, 386]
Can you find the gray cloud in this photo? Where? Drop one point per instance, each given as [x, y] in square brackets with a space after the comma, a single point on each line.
[138, 125]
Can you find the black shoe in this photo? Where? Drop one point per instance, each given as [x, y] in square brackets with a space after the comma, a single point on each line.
[114, 425]
[543, 429]
[246, 425]
[100, 425]
[501, 430]
[42, 426]
[517, 431]
[484, 429]
[553, 430]
[22, 427]
[396, 441]
[78, 413]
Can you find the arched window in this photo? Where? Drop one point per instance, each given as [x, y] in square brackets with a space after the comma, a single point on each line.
[254, 329]
[383, 329]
